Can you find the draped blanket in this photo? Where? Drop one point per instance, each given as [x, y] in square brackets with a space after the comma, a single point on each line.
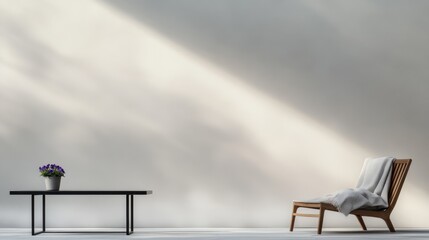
[371, 191]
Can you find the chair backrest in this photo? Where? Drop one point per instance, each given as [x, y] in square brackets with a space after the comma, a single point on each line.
[399, 172]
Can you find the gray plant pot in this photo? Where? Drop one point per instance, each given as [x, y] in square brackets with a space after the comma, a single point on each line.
[52, 183]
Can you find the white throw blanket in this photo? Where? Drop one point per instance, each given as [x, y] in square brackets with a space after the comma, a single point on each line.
[371, 191]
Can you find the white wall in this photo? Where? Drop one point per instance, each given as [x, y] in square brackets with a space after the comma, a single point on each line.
[228, 110]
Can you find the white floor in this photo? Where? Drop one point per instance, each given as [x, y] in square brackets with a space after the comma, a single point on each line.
[221, 233]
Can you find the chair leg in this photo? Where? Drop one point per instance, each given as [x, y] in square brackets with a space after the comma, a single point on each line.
[292, 221]
[362, 223]
[321, 215]
[389, 224]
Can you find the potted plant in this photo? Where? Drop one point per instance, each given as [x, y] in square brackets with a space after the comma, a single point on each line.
[52, 174]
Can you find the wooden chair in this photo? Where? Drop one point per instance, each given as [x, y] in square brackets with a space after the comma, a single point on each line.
[399, 172]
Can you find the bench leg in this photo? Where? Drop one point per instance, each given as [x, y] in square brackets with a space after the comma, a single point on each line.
[33, 227]
[43, 213]
[132, 213]
[32, 215]
[128, 214]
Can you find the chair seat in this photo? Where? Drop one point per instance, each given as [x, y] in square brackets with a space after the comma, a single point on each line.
[330, 207]
[315, 205]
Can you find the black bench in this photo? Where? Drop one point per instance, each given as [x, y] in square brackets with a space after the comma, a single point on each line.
[129, 203]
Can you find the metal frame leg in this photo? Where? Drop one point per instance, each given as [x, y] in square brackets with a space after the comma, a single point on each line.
[32, 215]
[128, 214]
[132, 213]
[33, 232]
[43, 213]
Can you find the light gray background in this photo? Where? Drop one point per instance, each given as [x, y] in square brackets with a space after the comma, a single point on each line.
[228, 110]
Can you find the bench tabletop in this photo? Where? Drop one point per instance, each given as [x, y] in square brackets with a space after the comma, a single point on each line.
[81, 192]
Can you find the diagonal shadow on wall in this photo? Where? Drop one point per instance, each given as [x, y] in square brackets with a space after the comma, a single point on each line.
[359, 67]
